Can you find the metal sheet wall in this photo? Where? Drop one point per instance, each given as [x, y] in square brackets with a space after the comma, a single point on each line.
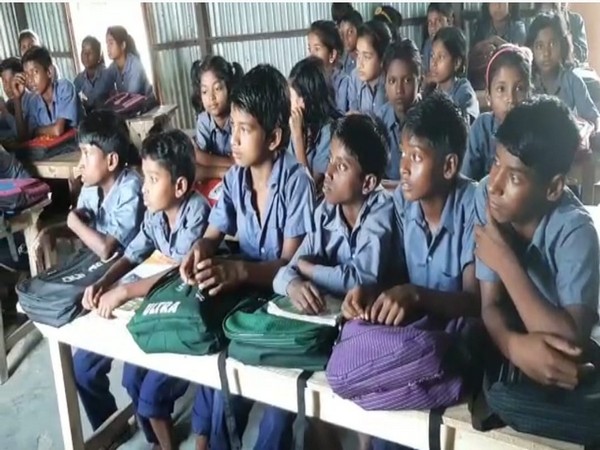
[9, 31]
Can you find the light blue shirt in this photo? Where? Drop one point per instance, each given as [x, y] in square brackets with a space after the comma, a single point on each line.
[96, 90]
[212, 139]
[339, 81]
[462, 94]
[347, 258]
[133, 78]
[426, 55]
[437, 261]
[11, 167]
[65, 105]
[481, 148]
[155, 234]
[348, 64]
[318, 152]
[120, 213]
[363, 97]
[394, 133]
[288, 213]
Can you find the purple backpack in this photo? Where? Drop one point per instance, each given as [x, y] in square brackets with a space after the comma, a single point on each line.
[414, 367]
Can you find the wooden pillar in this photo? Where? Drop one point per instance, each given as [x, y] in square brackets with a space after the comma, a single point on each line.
[590, 13]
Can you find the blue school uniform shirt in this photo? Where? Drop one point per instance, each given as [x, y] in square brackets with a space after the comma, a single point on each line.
[562, 259]
[212, 139]
[348, 64]
[155, 234]
[11, 167]
[65, 105]
[95, 91]
[339, 82]
[317, 154]
[462, 94]
[288, 213]
[133, 78]
[120, 213]
[573, 92]
[481, 147]
[437, 261]
[394, 131]
[578, 36]
[364, 98]
[347, 258]
[426, 55]
[514, 33]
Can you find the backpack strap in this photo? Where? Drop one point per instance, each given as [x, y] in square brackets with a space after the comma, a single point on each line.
[435, 427]
[234, 438]
[299, 428]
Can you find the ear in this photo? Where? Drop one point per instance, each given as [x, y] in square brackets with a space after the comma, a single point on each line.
[488, 98]
[555, 188]
[181, 187]
[369, 184]
[334, 56]
[113, 161]
[450, 168]
[274, 140]
[459, 62]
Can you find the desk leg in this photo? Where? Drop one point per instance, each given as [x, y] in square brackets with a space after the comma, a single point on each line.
[31, 234]
[66, 395]
[3, 352]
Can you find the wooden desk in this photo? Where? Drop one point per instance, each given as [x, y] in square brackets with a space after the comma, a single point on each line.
[140, 126]
[60, 167]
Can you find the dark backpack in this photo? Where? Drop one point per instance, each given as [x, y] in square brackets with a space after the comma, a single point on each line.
[45, 147]
[19, 194]
[130, 105]
[54, 297]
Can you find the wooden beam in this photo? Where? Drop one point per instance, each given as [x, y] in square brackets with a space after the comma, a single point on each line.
[204, 31]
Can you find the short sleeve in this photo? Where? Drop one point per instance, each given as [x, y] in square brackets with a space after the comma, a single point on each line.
[482, 272]
[466, 99]
[473, 165]
[467, 255]
[223, 215]
[341, 93]
[289, 272]
[322, 151]
[123, 219]
[144, 243]
[353, 100]
[300, 203]
[202, 131]
[196, 221]
[67, 102]
[583, 102]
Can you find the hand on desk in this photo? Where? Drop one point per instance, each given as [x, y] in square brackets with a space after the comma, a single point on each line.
[220, 274]
[305, 296]
[109, 301]
[91, 296]
[393, 306]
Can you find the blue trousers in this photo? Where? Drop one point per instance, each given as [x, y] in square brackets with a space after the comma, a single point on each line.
[208, 419]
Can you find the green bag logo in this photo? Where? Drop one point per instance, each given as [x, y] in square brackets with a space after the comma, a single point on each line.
[161, 308]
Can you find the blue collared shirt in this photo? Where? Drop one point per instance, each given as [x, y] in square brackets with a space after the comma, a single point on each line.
[363, 97]
[394, 133]
[426, 55]
[65, 105]
[212, 139]
[562, 260]
[288, 213]
[120, 213]
[94, 92]
[348, 63]
[339, 82]
[133, 78]
[11, 167]
[346, 258]
[438, 260]
[481, 148]
[155, 234]
[462, 94]
[318, 152]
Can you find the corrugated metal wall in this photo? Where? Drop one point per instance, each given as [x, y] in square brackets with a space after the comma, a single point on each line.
[8, 31]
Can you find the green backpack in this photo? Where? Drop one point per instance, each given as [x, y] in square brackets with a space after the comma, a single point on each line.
[262, 339]
[176, 318]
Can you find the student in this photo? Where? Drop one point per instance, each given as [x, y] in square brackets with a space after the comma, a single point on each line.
[537, 249]
[214, 79]
[95, 83]
[28, 39]
[434, 208]
[54, 106]
[402, 68]
[366, 90]
[553, 72]
[175, 219]
[448, 63]
[8, 125]
[267, 201]
[439, 15]
[508, 80]
[349, 32]
[339, 10]
[499, 19]
[575, 25]
[126, 68]
[312, 111]
[391, 17]
[325, 43]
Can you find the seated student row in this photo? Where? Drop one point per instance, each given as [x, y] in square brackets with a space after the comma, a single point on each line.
[356, 243]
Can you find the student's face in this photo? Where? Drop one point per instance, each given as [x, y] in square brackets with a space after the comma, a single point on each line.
[94, 165]
[38, 78]
[316, 48]
[113, 49]
[419, 168]
[159, 191]
[368, 63]
[26, 44]
[89, 57]
[249, 144]
[401, 85]
[508, 89]
[296, 102]
[349, 36]
[214, 95]
[435, 22]
[443, 65]
[343, 182]
[546, 51]
[7, 76]
[498, 11]
[514, 193]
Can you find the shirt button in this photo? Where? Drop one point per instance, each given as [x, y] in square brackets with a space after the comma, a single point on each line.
[262, 251]
[429, 259]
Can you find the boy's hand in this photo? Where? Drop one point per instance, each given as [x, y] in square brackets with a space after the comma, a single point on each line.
[305, 297]
[18, 84]
[355, 302]
[188, 269]
[393, 305]
[110, 301]
[218, 274]
[548, 359]
[91, 296]
[492, 245]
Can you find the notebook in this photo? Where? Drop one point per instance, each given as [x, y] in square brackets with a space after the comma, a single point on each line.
[283, 307]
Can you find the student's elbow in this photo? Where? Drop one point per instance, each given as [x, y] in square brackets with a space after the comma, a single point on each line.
[107, 249]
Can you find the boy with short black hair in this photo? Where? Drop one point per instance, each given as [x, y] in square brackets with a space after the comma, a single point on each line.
[267, 200]
[54, 106]
[348, 27]
[537, 248]
[8, 125]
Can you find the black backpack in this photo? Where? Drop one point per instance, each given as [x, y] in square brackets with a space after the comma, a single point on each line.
[54, 297]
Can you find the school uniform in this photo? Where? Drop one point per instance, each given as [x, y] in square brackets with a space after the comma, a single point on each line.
[65, 105]
[8, 127]
[317, 154]
[11, 167]
[426, 52]
[153, 393]
[132, 78]
[339, 82]
[578, 36]
[363, 97]
[573, 92]
[360, 256]
[119, 214]
[514, 32]
[462, 94]
[562, 258]
[289, 214]
[481, 148]
[393, 127]
[94, 91]
[348, 63]
[211, 138]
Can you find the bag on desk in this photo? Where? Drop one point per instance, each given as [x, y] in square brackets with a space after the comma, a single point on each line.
[18, 194]
[54, 297]
[130, 105]
[177, 318]
[44, 147]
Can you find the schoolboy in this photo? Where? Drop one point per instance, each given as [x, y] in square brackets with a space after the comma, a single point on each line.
[54, 106]
[348, 27]
[267, 200]
[176, 217]
[8, 125]
[537, 247]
